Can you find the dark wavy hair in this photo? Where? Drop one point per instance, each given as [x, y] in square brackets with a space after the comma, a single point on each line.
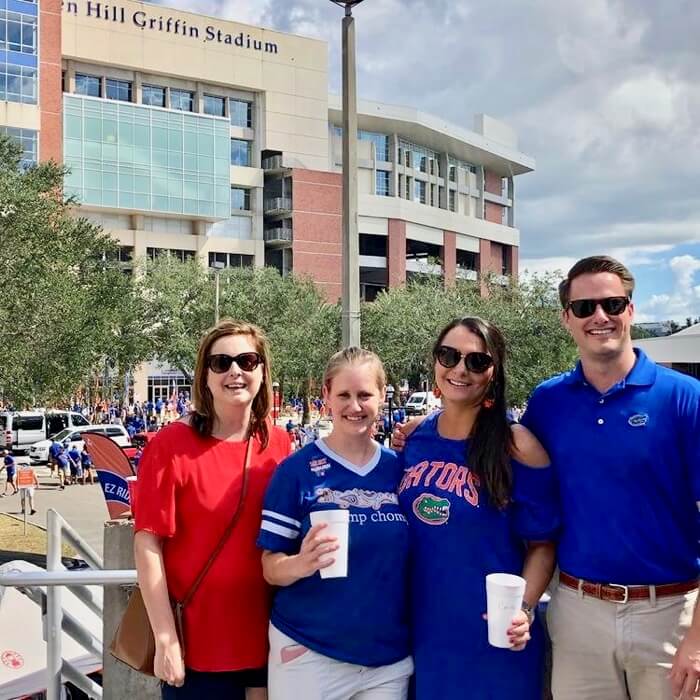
[203, 413]
[491, 443]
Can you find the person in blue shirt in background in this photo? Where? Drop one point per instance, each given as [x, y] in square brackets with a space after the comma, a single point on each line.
[76, 465]
[86, 463]
[480, 498]
[11, 472]
[63, 468]
[339, 638]
[54, 449]
[624, 436]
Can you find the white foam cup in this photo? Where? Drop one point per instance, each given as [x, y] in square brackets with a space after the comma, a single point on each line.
[338, 526]
[504, 597]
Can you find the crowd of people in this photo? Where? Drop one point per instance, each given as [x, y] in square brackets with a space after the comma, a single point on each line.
[599, 478]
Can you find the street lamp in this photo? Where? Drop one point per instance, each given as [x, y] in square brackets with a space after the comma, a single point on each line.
[217, 266]
[390, 398]
[276, 403]
[351, 241]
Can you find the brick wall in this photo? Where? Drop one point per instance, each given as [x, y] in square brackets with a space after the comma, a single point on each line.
[449, 256]
[396, 253]
[50, 92]
[317, 236]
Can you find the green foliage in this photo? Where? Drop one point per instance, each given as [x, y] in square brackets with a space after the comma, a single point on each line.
[62, 294]
[403, 323]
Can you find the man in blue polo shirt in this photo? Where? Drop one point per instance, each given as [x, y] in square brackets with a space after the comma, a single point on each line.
[624, 436]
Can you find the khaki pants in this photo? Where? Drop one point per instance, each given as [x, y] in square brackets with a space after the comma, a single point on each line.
[614, 651]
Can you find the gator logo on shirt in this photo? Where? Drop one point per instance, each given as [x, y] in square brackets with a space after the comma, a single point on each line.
[432, 510]
[357, 498]
[638, 420]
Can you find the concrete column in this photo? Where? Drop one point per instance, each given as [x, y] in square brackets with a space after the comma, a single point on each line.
[394, 156]
[119, 681]
[396, 253]
[513, 254]
[198, 105]
[449, 257]
[445, 174]
[480, 184]
[511, 194]
[351, 239]
[484, 266]
[137, 89]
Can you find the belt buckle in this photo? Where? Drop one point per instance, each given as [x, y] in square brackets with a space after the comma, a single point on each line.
[626, 589]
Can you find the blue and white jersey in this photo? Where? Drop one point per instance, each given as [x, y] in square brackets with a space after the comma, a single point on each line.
[361, 619]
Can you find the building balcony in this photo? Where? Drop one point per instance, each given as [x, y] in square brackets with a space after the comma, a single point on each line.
[278, 237]
[275, 206]
[273, 163]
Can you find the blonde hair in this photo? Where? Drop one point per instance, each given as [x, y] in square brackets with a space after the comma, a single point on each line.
[354, 356]
[203, 413]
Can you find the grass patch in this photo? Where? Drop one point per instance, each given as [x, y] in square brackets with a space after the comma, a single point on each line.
[12, 538]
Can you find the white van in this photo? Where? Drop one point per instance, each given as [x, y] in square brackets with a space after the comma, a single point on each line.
[420, 403]
[20, 429]
[39, 451]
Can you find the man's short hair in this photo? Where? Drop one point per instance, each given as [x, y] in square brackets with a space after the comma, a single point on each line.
[593, 265]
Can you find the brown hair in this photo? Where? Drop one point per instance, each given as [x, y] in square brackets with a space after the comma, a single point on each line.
[593, 265]
[353, 356]
[203, 413]
[491, 444]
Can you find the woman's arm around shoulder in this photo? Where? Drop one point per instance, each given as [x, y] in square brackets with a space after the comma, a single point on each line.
[527, 449]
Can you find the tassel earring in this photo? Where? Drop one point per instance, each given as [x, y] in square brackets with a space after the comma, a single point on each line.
[487, 403]
[436, 392]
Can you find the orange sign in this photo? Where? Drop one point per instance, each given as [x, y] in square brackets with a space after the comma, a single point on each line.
[25, 478]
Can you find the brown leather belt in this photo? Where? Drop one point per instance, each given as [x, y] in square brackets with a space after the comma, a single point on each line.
[617, 593]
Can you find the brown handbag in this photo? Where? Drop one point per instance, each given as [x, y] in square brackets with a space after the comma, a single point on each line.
[134, 643]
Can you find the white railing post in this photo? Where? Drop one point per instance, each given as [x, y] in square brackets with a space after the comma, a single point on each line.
[54, 609]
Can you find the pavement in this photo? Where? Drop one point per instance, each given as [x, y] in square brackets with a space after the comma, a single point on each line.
[83, 507]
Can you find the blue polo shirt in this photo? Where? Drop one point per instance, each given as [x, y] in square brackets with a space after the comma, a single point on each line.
[628, 467]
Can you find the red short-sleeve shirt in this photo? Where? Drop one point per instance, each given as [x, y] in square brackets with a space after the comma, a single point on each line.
[188, 489]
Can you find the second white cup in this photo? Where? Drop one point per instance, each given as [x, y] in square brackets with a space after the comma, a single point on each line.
[504, 597]
[338, 521]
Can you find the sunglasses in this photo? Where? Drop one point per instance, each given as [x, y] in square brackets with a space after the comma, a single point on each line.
[477, 362]
[247, 361]
[612, 306]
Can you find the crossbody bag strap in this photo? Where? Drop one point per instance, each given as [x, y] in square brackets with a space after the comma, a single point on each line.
[227, 532]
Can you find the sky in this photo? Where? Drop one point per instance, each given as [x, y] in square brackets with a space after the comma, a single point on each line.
[604, 94]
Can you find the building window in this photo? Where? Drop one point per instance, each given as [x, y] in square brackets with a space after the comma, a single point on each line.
[466, 260]
[18, 83]
[453, 173]
[240, 227]
[241, 113]
[89, 85]
[177, 254]
[505, 260]
[17, 32]
[452, 200]
[240, 199]
[182, 100]
[382, 183]
[27, 139]
[433, 196]
[215, 106]
[231, 259]
[240, 152]
[380, 141]
[409, 181]
[118, 90]
[153, 95]
[419, 192]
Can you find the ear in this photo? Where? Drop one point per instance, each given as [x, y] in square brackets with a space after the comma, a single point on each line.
[630, 309]
[564, 319]
[324, 392]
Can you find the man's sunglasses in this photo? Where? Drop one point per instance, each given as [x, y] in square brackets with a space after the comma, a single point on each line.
[477, 362]
[613, 306]
[247, 361]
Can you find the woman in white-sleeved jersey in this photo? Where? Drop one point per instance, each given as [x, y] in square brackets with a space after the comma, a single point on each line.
[339, 638]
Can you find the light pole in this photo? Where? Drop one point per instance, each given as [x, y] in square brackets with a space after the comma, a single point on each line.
[351, 242]
[390, 398]
[217, 266]
[276, 403]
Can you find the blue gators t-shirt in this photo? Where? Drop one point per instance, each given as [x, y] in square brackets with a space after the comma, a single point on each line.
[361, 619]
[628, 467]
[458, 537]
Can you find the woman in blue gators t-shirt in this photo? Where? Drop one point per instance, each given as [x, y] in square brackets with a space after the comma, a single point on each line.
[339, 638]
[480, 499]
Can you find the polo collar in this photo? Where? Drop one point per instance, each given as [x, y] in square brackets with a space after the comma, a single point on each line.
[643, 373]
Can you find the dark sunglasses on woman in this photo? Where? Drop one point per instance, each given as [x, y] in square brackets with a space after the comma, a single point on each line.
[613, 306]
[221, 363]
[477, 362]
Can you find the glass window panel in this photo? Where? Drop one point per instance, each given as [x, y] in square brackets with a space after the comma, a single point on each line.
[93, 129]
[214, 105]
[153, 95]
[141, 136]
[241, 113]
[118, 90]
[182, 100]
[87, 85]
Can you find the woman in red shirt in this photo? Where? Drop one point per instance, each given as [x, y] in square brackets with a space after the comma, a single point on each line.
[189, 486]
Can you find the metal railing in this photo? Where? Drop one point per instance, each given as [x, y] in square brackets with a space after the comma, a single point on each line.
[277, 204]
[271, 235]
[44, 588]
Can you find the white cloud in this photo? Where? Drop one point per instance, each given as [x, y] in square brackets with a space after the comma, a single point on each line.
[684, 299]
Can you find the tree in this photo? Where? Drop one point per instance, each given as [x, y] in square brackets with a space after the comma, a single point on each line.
[403, 323]
[62, 289]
